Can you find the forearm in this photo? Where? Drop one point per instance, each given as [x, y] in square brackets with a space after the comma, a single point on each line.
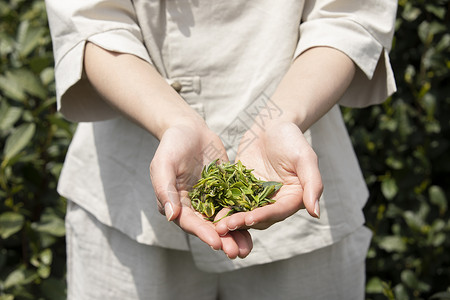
[135, 88]
[313, 85]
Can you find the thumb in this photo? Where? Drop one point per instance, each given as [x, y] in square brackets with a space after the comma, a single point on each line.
[309, 176]
[163, 180]
[311, 196]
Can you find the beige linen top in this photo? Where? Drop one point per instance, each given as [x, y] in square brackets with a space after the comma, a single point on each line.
[228, 57]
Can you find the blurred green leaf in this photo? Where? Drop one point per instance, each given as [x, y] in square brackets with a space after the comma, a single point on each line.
[48, 76]
[9, 115]
[439, 239]
[16, 277]
[374, 286]
[30, 83]
[389, 188]
[437, 197]
[50, 223]
[438, 225]
[444, 43]
[409, 278]
[387, 291]
[10, 223]
[6, 44]
[46, 256]
[441, 296]
[11, 87]
[436, 10]
[54, 289]
[43, 271]
[413, 220]
[392, 244]
[394, 163]
[28, 38]
[18, 82]
[400, 292]
[410, 13]
[18, 140]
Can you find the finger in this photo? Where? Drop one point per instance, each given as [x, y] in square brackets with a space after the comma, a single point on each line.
[313, 191]
[227, 224]
[194, 224]
[244, 242]
[229, 246]
[240, 238]
[163, 179]
[288, 201]
[307, 170]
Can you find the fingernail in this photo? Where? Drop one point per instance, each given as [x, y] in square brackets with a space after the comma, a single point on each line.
[233, 229]
[231, 257]
[168, 210]
[317, 209]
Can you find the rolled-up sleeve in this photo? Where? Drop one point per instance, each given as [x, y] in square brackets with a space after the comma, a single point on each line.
[111, 24]
[363, 30]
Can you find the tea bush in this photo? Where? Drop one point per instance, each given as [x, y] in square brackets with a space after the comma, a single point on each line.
[403, 146]
[33, 139]
[404, 149]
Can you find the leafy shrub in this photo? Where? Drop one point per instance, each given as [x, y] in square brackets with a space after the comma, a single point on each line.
[404, 149]
[403, 146]
[34, 140]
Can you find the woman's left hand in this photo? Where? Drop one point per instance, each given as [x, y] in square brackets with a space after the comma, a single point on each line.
[280, 153]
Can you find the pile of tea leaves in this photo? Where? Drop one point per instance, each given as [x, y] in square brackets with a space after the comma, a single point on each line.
[232, 186]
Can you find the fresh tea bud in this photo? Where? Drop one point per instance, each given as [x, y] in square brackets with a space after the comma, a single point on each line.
[232, 186]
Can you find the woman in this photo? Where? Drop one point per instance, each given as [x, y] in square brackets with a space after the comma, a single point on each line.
[181, 83]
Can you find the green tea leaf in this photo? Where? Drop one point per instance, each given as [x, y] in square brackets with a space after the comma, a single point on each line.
[232, 186]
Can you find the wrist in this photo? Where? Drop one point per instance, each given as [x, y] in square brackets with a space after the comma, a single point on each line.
[186, 120]
[287, 115]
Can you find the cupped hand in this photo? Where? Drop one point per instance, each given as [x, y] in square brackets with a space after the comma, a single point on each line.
[280, 153]
[183, 151]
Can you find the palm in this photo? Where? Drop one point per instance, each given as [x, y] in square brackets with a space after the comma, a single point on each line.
[175, 168]
[281, 153]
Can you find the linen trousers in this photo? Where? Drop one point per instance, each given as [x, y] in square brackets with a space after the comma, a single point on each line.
[104, 263]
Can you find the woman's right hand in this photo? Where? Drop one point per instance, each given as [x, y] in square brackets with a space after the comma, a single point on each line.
[183, 151]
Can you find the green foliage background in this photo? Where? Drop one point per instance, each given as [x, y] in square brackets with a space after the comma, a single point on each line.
[403, 146]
